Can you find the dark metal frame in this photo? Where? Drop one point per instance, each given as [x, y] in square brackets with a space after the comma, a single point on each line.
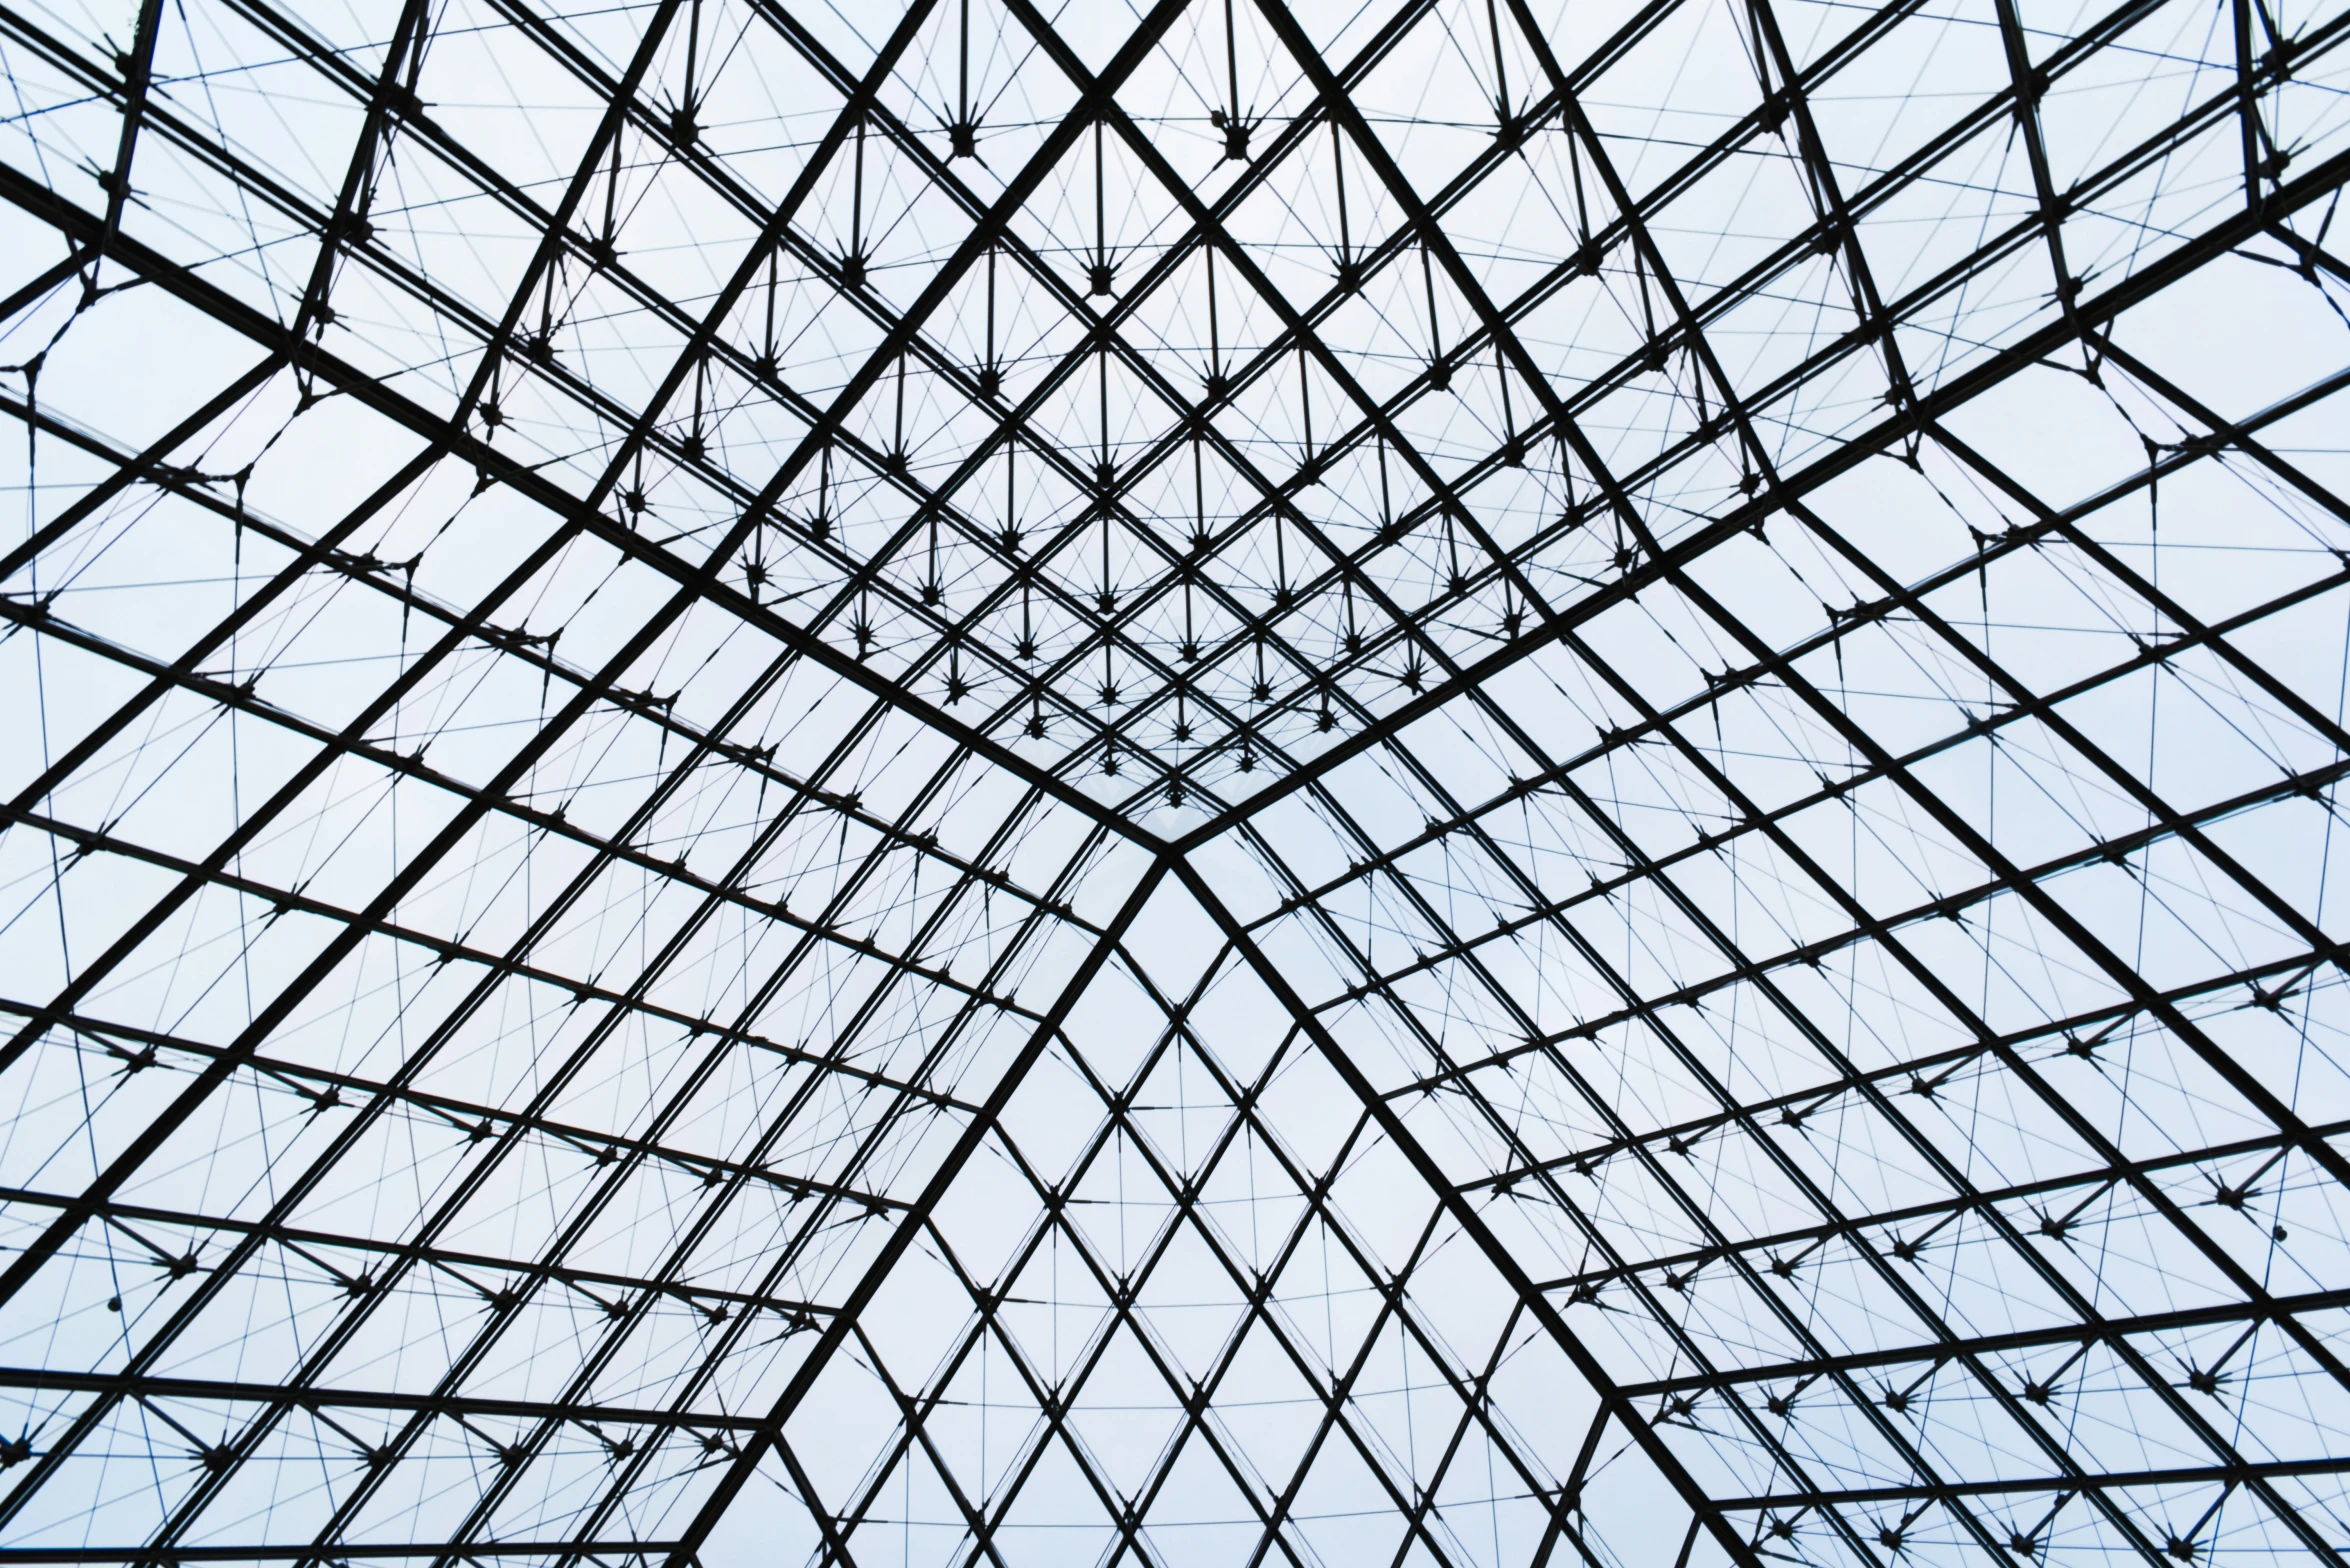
[1286, 683]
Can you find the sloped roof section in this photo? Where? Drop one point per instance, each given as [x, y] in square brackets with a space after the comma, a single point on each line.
[1457, 783]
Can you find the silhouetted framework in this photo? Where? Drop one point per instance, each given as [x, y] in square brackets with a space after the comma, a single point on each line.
[1445, 782]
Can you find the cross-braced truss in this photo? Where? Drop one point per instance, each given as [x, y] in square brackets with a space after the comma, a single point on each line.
[1443, 782]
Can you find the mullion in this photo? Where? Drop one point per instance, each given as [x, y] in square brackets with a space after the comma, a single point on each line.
[472, 1117]
[1643, 240]
[1992, 370]
[1995, 548]
[1868, 303]
[31, 1259]
[1259, 171]
[2312, 257]
[1818, 1097]
[1480, 1401]
[681, 1247]
[2249, 1474]
[914, 1433]
[584, 393]
[1699, 1213]
[129, 467]
[142, 1387]
[1317, 1202]
[787, 238]
[1498, 1437]
[832, 435]
[43, 284]
[445, 951]
[1546, 907]
[2239, 434]
[406, 48]
[2024, 86]
[115, 1557]
[2023, 699]
[840, 403]
[910, 1415]
[1874, 1096]
[1443, 494]
[607, 125]
[2176, 1023]
[871, 1140]
[182, 670]
[158, 120]
[1755, 1137]
[1887, 185]
[1129, 132]
[1596, 1230]
[1332, 1400]
[904, 1003]
[1053, 1402]
[1046, 1396]
[321, 1356]
[620, 99]
[1668, 1466]
[90, 974]
[1891, 183]
[1040, 1391]
[858, 579]
[966, 1145]
[514, 644]
[835, 1549]
[864, 577]
[1094, 91]
[605, 852]
[1334, 1416]
[584, 879]
[1433, 241]
[2027, 886]
[1031, 686]
[1315, 1193]
[802, 1096]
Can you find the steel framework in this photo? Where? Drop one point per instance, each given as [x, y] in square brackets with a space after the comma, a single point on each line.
[1398, 602]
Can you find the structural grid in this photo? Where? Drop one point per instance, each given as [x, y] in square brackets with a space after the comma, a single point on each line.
[1142, 783]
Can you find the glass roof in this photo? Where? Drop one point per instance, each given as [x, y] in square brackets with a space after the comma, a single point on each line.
[1455, 783]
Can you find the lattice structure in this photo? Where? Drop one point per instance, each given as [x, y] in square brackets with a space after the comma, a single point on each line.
[1445, 782]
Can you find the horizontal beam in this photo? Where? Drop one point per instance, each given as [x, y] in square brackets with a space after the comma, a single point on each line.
[318, 1397]
[335, 1553]
[1996, 1344]
[444, 1258]
[1812, 1097]
[478, 1120]
[2049, 1486]
[2103, 1175]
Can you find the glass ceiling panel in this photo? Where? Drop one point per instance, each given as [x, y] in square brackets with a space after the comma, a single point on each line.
[1456, 783]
